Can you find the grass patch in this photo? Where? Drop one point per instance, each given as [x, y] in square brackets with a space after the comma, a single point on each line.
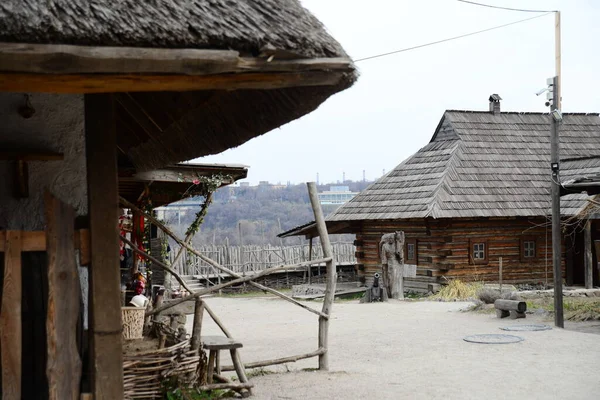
[575, 309]
[259, 372]
[193, 394]
[458, 290]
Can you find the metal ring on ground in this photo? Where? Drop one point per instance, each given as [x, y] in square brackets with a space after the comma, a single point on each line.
[530, 327]
[493, 339]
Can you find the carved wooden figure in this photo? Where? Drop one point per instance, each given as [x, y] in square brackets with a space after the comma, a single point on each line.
[391, 250]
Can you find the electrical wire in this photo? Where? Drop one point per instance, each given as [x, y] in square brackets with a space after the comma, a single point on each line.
[451, 38]
[505, 8]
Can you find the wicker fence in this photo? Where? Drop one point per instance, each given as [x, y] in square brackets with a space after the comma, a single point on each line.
[243, 259]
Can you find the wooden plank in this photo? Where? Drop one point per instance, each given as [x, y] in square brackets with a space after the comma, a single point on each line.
[97, 83]
[106, 357]
[10, 318]
[63, 367]
[84, 246]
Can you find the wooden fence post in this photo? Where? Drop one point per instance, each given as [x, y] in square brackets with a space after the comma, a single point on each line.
[331, 276]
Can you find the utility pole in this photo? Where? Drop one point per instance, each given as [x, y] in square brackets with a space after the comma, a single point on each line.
[555, 168]
[556, 234]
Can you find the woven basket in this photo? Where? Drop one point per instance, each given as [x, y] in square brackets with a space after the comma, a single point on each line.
[133, 322]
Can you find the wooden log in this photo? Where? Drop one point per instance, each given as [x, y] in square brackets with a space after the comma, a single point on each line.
[76, 59]
[106, 357]
[220, 267]
[276, 361]
[509, 305]
[63, 367]
[197, 328]
[331, 275]
[237, 364]
[10, 318]
[396, 276]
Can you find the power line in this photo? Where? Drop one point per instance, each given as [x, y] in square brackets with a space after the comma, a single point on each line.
[452, 38]
[505, 8]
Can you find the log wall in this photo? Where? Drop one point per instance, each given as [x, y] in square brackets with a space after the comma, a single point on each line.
[443, 249]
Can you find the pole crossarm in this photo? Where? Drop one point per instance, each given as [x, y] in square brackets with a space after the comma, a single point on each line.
[219, 266]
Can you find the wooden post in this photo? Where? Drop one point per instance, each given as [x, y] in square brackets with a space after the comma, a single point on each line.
[588, 268]
[10, 318]
[106, 359]
[310, 250]
[63, 367]
[197, 329]
[331, 276]
[500, 274]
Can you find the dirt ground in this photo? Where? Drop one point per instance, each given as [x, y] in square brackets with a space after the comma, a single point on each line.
[412, 350]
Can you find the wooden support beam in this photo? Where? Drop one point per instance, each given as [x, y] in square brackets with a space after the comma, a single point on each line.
[588, 267]
[63, 367]
[114, 83]
[331, 275]
[73, 59]
[36, 241]
[10, 318]
[106, 356]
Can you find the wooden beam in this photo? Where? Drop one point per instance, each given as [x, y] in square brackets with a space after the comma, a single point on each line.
[63, 367]
[10, 318]
[106, 356]
[97, 83]
[36, 241]
[72, 59]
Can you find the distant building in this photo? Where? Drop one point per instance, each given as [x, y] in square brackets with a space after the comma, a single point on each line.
[336, 195]
[244, 184]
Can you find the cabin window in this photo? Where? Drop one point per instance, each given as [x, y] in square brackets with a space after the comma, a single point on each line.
[410, 251]
[478, 251]
[529, 248]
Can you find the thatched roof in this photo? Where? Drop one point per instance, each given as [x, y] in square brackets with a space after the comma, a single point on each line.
[174, 182]
[195, 77]
[247, 26]
[479, 164]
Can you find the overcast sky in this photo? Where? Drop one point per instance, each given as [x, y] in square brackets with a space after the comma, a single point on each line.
[395, 106]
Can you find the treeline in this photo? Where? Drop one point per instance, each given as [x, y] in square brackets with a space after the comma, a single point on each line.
[257, 213]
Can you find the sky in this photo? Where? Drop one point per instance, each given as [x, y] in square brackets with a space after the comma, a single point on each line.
[398, 100]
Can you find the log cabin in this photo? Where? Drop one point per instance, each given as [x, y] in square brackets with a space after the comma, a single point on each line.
[94, 93]
[476, 194]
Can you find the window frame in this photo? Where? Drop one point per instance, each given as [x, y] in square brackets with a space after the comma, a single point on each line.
[416, 258]
[536, 254]
[486, 250]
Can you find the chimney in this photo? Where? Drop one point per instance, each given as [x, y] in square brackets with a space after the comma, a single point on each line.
[495, 103]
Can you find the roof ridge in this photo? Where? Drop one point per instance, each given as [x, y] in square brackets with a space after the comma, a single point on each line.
[521, 112]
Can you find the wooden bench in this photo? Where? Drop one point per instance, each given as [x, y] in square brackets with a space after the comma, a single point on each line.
[214, 344]
[510, 308]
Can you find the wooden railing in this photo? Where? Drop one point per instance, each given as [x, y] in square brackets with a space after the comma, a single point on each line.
[243, 259]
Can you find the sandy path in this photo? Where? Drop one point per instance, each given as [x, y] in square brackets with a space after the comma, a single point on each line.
[411, 350]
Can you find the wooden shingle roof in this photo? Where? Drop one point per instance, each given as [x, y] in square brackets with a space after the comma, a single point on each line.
[479, 164]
